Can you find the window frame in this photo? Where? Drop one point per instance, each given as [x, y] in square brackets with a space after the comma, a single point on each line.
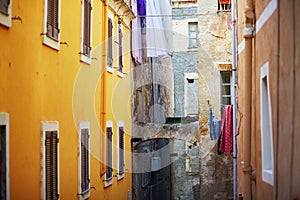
[110, 40]
[221, 89]
[4, 121]
[266, 130]
[84, 57]
[82, 126]
[5, 20]
[47, 40]
[47, 126]
[190, 46]
[109, 180]
[121, 125]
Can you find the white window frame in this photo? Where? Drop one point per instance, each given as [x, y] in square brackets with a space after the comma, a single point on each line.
[266, 127]
[48, 126]
[110, 69]
[83, 194]
[109, 124]
[84, 58]
[6, 20]
[120, 124]
[4, 120]
[46, 39]
[189, 34]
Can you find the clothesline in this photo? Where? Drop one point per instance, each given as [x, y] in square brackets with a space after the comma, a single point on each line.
[179, 15]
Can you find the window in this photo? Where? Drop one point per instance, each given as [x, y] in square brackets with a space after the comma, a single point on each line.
[110, 45]
[266, 126]
[225, 88]
[120, 68]
[193, 34]
[5, 12]
[224, 5]
[84, 160]
[109, 141]
[86, 31]
[120, 150]
[50, 161]
[4, 156]
[52, 24]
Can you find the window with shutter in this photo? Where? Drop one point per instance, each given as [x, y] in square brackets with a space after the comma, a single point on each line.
[52, 19]
[51, 36]
[51, 165]
[120, 68]
[85, 179]
[3, 160]
[87, 9]
[121, 151]
[110, 43]
[5, 12]
[4, 4]
[109, 169]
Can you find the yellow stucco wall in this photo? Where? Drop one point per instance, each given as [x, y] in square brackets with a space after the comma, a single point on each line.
[39, 83]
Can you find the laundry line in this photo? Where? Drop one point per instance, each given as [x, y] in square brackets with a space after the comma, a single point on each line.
[177, 15]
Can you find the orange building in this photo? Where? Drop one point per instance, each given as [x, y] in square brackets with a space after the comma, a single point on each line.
[58, 98]
[268, 98]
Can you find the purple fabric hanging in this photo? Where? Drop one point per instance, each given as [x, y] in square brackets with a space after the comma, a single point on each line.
[141, 7]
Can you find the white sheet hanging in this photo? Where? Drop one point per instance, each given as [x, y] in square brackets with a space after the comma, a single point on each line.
[155, 32]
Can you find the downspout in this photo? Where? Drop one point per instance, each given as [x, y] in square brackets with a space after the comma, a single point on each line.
[103, 90]
[247, 77]
[234, 103]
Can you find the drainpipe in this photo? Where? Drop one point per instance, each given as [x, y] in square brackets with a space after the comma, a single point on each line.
[234, 103]
[247, 76]
[103, 90]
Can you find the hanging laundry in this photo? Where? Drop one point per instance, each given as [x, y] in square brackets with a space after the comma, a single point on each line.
[214, 126]
[211, 125]
[226, 144]
[155, 35]
[141, 6]
[136, 36]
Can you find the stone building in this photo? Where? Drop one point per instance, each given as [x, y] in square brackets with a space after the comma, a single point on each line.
[185, 58]
[214, 50]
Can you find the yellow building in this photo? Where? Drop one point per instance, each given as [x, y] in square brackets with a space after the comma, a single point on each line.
[59, 97]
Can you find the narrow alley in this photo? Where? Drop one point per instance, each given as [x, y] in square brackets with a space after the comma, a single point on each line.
[149, 99]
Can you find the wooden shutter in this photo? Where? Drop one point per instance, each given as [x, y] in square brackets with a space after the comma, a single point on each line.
[121, 150]
[52, 19]
[3, 185]
[109, 153]
[51, 165]
[120, 49]
[109, 43]
[4, 6]
[87, 27]
[85, 179]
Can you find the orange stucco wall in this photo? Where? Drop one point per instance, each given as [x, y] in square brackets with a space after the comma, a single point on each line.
[39, 83]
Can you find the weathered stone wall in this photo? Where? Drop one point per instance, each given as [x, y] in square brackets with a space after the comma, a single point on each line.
[184, 60]
[147, 107]
[184, 154]
[214, 47]
[186, 182]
